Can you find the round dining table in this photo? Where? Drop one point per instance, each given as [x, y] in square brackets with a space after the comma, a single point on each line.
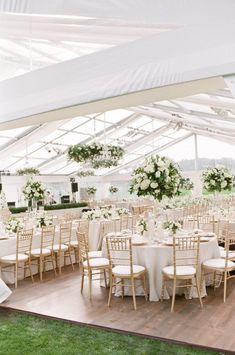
[154, 256]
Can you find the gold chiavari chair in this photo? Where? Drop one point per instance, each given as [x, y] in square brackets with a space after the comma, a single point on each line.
[45, 253]
[136, 210]
[124, 222]
[20, 260]
[134, 220]
[189, 223]
[185, 268]
[63, 247]
[207, 223]
[119, 251]
[82, 226]
[90, 266]
[226, 263]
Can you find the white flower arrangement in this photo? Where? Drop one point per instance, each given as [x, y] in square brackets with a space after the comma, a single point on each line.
[113, 189]
[103, 213]
[172, 226]
[13, 225]
[142, 226]
[217, 179]
[158, 177]
[33, 190]
[186, 184]
[91, 190]
[43, 219]
[122, 211]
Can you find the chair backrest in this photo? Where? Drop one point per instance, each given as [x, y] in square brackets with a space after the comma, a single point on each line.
[24, 241]
[119, 250]
[134, 220]
[206, 223]
[83, 226]
[227, 236]
[65, 232]
[83, 246]
[47, 237]
[136, 210]
[186, 251]
[125, 222]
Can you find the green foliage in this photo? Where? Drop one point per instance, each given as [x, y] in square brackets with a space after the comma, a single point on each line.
[158, 177]
[62, 206]
[217, 179]
[14, 210]
[90, 152]
[28, 171]
[22, 334]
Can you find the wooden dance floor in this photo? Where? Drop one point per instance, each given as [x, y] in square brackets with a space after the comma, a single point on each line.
[213, 326]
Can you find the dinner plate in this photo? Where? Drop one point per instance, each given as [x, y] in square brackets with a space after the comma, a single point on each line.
[139, 241]
[3, 237]
[204, 239]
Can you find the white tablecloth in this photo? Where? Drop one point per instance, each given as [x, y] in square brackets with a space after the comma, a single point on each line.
[94, 235]
[154, 257]
[8, 247]
[4, 291]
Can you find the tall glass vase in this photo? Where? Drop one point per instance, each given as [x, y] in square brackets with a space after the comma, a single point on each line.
[32, 205]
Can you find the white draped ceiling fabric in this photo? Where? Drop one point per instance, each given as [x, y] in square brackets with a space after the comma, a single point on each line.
[167, 62]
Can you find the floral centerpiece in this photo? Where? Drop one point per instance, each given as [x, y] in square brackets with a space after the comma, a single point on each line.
[91, 190]
[92, 214]
[186, 184]
[122, 211]
[113, 189]
[13, 225]
[158, 177]
[142, 226]
[172, 226]
[217, 179]
[33, 190]
[98, 155]
[43, 219]
[106, 213]
[103, 213]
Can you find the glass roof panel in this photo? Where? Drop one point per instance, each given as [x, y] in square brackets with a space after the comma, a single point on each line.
[71, 138]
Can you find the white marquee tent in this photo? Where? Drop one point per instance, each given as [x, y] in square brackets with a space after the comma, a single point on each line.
[142, 74]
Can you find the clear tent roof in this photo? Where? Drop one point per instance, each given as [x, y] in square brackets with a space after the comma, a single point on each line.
[28, 45]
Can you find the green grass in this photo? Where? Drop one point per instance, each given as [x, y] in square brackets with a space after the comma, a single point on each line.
[22, 334]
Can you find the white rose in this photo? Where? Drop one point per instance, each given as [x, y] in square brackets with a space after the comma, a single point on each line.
[144, 184]
[154, 185]
[212, 182]
[149, 168]
[158, 174]
[224, 184]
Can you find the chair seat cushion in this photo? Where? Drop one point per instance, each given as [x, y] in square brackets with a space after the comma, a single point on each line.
[186, 270]
[12, 258]
[73, 243]
[36, 252]
[57, 247]
[97, 262]
[218, 263]
[125, 270]
[95, 254]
